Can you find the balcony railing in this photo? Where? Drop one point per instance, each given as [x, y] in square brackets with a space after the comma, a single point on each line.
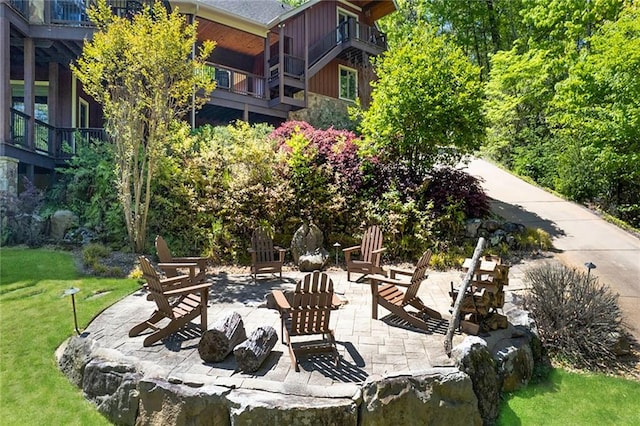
[56, 142]
[72, 12]
[346, 31]
[236, 81]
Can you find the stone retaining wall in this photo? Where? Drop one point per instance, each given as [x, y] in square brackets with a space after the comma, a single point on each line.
[128, 391]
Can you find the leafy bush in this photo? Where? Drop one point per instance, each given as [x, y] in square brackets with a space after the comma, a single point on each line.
[87, 189]
[93, 256]
[578, 319]
[20, 222]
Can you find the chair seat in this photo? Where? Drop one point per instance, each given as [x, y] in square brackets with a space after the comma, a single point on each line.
[387, 293]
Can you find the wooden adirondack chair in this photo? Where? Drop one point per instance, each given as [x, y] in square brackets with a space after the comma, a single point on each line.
[171, 266]
[265, 257]
[177, 300]
[370, 253]
[308, 314]
[386, 293]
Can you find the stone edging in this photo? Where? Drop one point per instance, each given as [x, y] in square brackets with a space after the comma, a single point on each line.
[129, 391]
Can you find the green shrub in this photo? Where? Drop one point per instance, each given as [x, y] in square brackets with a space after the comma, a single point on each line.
[87, 188]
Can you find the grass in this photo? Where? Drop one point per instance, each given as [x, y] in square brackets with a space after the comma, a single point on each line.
[35, 318]
[566, 398]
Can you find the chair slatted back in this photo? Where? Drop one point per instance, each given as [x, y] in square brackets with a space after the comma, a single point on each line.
[419, 275]
[262, 244]
[371, 240]
[155, 287]
[162, 249]
[311, 307]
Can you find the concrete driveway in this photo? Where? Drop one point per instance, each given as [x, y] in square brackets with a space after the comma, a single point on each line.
[578, 234]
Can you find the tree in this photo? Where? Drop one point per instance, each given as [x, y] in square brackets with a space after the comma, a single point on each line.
[142, 72]
[596, 112]
[479, 27]
[428, 98]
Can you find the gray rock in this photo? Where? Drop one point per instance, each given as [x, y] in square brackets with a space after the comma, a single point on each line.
[472, 226]
[252, 407]
[61, 221]
[473, 357]
[515, 363]
[491, 225]
[440, 396]
[497, 237]
[315, 261]
[163, 403]
[75, 356]
[307, 239]
[113, 388]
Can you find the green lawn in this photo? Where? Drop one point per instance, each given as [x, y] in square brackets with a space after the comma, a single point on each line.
[35, 318]
[570, 399]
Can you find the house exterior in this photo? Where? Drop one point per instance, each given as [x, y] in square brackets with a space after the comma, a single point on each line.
[271, 62]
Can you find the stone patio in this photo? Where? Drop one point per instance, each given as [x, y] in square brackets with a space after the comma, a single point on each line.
[367, 347]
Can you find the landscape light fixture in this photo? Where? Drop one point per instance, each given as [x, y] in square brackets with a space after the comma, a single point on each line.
[72, 291]
[589, 266]
[337, 247]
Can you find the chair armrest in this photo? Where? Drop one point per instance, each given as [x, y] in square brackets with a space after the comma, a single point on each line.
[281, 301]
[394, 271]
[201, 261]
[281, 252]
[174, 280]
[177, 291]
[380, 250]
[350, 249]
[376, 278]
[174, 265]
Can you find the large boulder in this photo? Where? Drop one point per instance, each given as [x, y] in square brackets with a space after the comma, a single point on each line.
[440, 396]
[515, 363]
[113, 387]
[73, 357]
[307, 239]
[61, 221]
[254, 407]
[473, 357]
[315, 261]
[163, 403]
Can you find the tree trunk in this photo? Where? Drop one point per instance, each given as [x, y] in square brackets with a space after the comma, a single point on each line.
[251, 353]
[218, 342]
[455, 315]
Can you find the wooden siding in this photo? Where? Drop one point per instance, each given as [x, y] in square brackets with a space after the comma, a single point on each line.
[322, 19]
[326, 81]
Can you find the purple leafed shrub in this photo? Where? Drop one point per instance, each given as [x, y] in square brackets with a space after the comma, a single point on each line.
[448, 185]
[337, 148]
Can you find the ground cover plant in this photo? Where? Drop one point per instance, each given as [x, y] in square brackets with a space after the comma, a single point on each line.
[35, 318]
[569, 398]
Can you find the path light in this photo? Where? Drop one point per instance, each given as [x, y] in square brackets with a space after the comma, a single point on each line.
[72, 291]
[589, 266]
[337, 247]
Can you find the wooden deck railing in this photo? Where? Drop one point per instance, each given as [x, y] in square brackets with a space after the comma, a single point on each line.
[55, 142]
[346, 31]
[236, 81]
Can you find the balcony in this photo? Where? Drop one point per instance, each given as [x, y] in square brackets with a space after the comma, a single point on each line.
[71, 12]
[57, 143]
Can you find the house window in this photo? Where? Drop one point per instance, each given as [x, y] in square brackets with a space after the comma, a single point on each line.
[347, 26]
[40, 107]
[348, 84]
[83, 113]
